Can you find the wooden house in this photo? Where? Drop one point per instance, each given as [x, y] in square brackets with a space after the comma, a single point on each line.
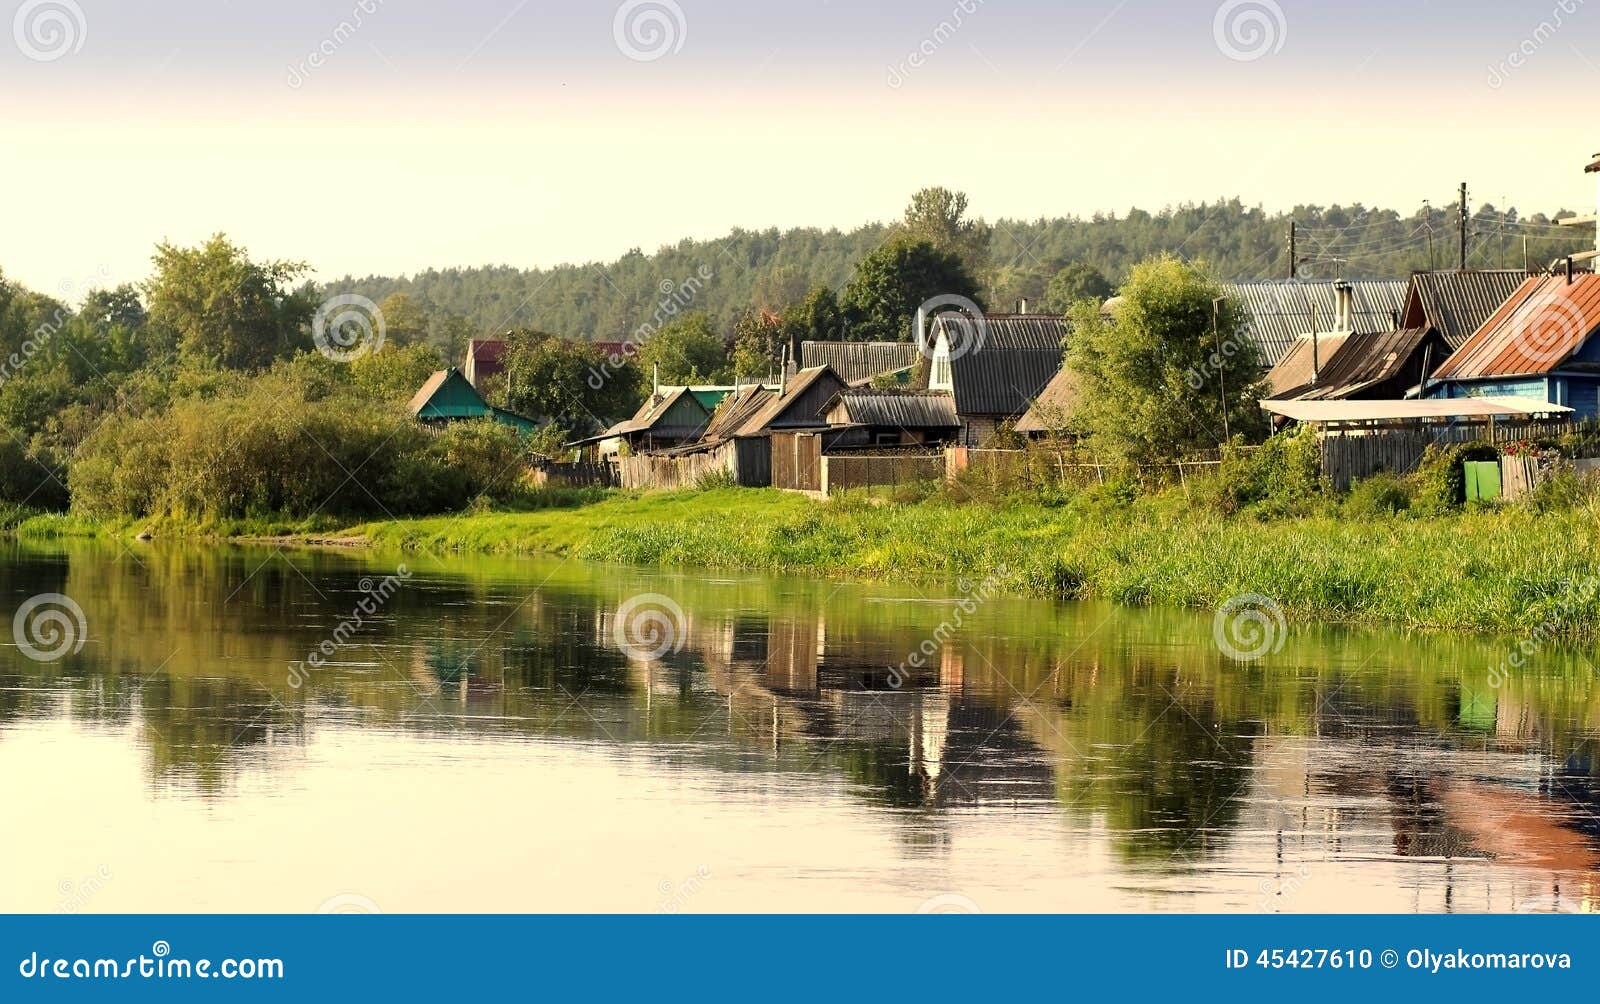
[1385, 364]
[799, 405]
[446, 396]
[1540, 346]
[993, 368]
[670, 417]
[1050, 414]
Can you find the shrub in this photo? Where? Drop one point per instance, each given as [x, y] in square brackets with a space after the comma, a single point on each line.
[1439, 484]
[1378, 496]
[1561, 490]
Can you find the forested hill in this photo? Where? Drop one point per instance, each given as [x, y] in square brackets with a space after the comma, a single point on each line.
[1014, 259]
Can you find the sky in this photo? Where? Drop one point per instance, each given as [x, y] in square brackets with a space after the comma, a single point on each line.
[388, 136]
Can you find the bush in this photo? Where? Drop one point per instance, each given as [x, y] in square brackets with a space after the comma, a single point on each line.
[1559, 491]
[1282, 477]
[1439, 484]
[1378, 496]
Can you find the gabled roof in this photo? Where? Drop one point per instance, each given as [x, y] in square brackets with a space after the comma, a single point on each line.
[900, 409]
[859, 362]
[447, 394]
[1534, 332]
[1305, 357]
[1456, 303]
[1281, 310]
[1018, 355]
[1053, 407]
[773, 411]
[486, 350]
[736, 409]
[1360, 362]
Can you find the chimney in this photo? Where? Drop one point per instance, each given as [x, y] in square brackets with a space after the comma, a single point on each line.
[1022, 305]
[1344, 298]
[922, 329]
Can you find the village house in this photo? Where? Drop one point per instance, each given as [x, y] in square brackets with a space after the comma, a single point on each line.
[1539, 346]
[486, 358]
[1050, 414]
[447, 396]
[1455, 303]
[866, 417]
[1384, 364]
[993, 375]
[669, 417]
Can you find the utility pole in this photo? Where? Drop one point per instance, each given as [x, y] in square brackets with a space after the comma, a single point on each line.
[1463, 226]
[1222, 359]
[1293, 273]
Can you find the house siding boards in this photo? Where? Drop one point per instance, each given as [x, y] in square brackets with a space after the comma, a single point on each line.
[1281, 310]
[800, 405]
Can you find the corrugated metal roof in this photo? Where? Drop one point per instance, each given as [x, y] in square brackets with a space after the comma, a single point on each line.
[1365, 360]
[1294, 371]
[736, 409]
[1433, 407]
[1536, 330]
[1018, 356]
[859, 362]
[1280, 310]
[1054, 405]
[900, 409]
[1457, 303]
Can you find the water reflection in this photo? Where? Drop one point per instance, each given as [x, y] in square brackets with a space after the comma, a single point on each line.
[1046, 756]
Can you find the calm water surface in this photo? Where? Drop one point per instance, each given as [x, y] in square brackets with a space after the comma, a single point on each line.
[483, 743]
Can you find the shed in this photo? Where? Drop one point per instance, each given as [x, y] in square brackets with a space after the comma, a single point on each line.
[1051, 412]
[1539, 346]
[446, 396]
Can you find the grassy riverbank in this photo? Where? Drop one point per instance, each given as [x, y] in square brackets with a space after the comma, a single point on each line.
[1502, 569]
[1506, 569]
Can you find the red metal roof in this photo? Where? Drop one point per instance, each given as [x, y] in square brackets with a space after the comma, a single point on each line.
[486, 350]
[1543, 323]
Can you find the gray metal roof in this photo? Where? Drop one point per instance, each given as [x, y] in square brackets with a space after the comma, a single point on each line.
[900, 409]
[1281, 310]
[858, 362]
[1458, 303]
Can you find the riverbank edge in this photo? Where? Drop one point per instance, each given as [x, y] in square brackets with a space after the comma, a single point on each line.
[1503, 571]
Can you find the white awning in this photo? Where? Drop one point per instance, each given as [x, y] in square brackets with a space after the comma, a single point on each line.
[1439, 408]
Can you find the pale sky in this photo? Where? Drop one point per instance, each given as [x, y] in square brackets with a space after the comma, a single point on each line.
[521, 132]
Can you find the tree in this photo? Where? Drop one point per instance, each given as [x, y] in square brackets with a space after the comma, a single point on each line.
[893, 281]
[686, 349]
[405, 319]
[1154, 378]
[758, 343]
[817, 318]
[116, 307]
[938, 216]
[1077, 281]
[566, 382]
[226, 310]
[394, 372]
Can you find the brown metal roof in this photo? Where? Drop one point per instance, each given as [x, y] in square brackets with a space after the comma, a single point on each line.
[1456, 303]
[1304, 357]
[1365, 360]
[1544, 322]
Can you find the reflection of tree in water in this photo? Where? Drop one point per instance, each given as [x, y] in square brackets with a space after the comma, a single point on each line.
[199, 731]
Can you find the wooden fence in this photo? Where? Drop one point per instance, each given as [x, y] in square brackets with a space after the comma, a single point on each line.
[744, 461]
[873, 470]
[796, 461]
[576, 476]
[1348, 457]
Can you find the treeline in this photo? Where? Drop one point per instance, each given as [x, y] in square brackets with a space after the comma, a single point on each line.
[1011, 259]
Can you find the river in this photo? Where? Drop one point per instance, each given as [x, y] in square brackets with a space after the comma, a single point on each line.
[210, 728]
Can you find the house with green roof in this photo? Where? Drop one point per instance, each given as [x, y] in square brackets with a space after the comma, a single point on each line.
[446, 397]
